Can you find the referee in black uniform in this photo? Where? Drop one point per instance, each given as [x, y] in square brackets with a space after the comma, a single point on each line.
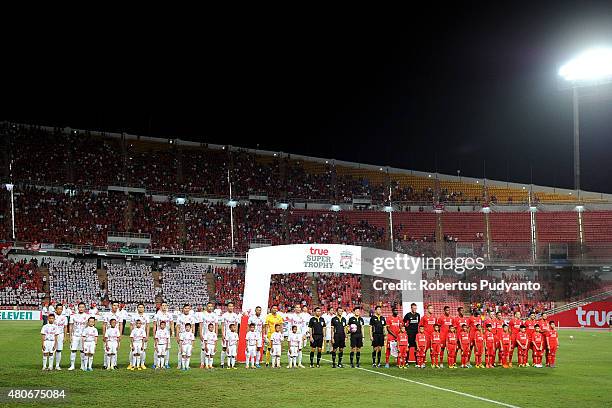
[316, 324]
[356, 323]
[411, 322]
[378, 326]
[338, 328]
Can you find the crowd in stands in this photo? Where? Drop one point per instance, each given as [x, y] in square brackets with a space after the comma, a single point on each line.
[330, 227]
[582, 285]
[131, 284]
[21, 283]
[229, 285]
[290, 289]
[72, 281]
[44, 157]
[185, 283]
[339, 290]
[43, 215]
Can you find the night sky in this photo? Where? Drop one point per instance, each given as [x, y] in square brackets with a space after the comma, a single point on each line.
[442, 89]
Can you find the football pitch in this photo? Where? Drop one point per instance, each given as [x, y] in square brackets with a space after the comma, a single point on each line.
[583, 378]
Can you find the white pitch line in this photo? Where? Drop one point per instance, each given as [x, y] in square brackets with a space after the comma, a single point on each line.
[438, 388]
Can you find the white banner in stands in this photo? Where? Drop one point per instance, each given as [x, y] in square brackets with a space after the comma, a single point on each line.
[286, 259]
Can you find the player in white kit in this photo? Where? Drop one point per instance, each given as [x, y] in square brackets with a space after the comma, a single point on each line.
[112, 338]
[137, 336]
[61, 321]
[232, 346]
[258, 320]
[208, 317]
[185, 339]
[49, 341]
[140, 315]
[78, 323]
[210, 342]
[277, 344]
[90, 340]
[163, 315]
[252, 339]
[228, 318]
[301, 319]
[295, 341]
[162, 342]
[182, 320]
[114, 313]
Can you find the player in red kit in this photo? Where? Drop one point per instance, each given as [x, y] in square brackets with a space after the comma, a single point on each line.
[505, 342]
[465, 342]
[451, 346]
[479, 346]
[522, 345]
[473, 321]
[515, 327]
[530, 329]
[490, 342]
[544, 329]
[421, 344]
[530, 324]
[499, 330]
[393, 328]
[460, 320]
[537, 341]
[445, 322]
[552, 344]
[428, 321]
[436, 347]
[402, 347]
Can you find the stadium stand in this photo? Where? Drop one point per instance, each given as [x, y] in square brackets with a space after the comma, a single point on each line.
[338, 290]
[463, 227]
[597, 226]
[71, 282]
[21, 283]
[557, 227]
[82, 218]
[229, 285]
[289, 290]
[131, 284]
[185, 283]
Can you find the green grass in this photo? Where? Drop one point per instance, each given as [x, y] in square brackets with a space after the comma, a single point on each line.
[582, 379]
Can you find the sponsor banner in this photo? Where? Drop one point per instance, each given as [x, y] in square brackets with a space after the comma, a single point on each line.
[33, 246]
[20, 315]
[44, 245]
[592, 315]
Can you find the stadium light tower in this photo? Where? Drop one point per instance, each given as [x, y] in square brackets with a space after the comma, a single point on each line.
[592, 67]
[10, 188]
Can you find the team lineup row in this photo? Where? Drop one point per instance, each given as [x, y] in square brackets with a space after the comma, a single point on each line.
[401, 338]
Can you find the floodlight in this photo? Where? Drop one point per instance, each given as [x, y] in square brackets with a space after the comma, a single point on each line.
[232, 203]
[335, 207]
[283, 206]
[388, 208]
[180, 201]
[9, 187]
[580, 208]
[592, 65]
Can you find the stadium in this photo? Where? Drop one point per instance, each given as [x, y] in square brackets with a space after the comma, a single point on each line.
[151, 265]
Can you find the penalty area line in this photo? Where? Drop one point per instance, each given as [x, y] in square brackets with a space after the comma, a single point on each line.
[465, 394]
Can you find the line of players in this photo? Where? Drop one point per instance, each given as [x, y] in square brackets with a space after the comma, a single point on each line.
[462, 336]
[82, 336]
[457, 335]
